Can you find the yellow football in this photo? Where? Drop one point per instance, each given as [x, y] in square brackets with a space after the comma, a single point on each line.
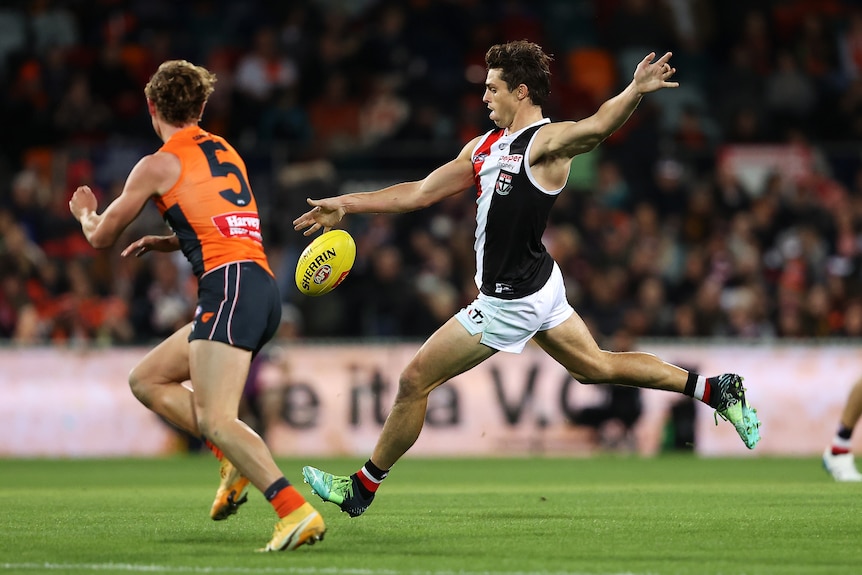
[325, 262]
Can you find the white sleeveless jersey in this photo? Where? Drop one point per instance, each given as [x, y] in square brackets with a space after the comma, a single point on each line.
[512, 212]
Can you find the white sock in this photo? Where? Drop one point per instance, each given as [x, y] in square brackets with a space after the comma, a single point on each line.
[700, 387]
[841, 443]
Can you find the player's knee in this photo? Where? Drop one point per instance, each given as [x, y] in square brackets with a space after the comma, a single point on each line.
[208, 426]
[595, 370]
[212, 424]
[139, 387]
[411, 386]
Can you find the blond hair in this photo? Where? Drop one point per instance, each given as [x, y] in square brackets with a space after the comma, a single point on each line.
[179, 89]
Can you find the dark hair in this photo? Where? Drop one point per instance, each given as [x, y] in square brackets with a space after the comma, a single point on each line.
[522, 62]
[179, 90]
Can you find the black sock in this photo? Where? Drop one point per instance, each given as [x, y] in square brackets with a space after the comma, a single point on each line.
[690, 384]
[844, 432]
[273, 489]
[376, 472]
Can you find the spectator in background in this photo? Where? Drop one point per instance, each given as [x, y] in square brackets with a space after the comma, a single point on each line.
[20, 259]
[86, 315]
[850, 46]
[114, 84]
[692, 135]
[651, 299]
[383, 112]
[614, 417]
[260, 75]
[335, 118]
[286, 121]
[790, 94]
[755, 40]
[746, 91]
[636, 25]
[164, 299]
[81, 117]
[850, 111]
[669, 192]
[220, 117]
[816, 51]
[26, 204]
[19, 319]
[387, 51]
[13, 36]
[612, 190]
[27, 112]
[336, 49]
[385, 299]
[52, 26]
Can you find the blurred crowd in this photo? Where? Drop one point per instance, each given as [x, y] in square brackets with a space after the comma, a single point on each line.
[730, 207]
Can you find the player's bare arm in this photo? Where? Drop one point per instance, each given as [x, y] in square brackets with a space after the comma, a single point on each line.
[568, 139]
[146, 244]
[152, 175]
[447, 180]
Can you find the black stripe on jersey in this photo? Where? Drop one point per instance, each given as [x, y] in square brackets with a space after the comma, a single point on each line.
[516, 263]
[189, 242]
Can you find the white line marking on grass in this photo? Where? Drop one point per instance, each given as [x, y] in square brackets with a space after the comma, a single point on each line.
[286, 570]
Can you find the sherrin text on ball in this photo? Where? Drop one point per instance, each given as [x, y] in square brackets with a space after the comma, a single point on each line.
[325, 262]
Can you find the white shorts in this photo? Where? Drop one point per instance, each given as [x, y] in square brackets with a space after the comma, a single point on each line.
[508, 324]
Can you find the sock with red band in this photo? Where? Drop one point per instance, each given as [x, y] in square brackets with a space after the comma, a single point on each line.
[841, 443]
[700, 387]
[370, 477]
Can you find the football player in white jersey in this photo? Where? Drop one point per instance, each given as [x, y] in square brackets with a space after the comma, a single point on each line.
[518, 168]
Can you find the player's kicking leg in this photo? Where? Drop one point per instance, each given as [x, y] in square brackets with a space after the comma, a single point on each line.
[572, 345]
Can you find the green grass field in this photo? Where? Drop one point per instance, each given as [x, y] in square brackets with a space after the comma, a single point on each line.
[603, 515]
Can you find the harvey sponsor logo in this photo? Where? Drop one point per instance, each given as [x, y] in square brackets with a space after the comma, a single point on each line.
[239, 225]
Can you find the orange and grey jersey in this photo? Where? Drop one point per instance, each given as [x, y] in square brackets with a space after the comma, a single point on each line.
[211, 207]
[511, 215]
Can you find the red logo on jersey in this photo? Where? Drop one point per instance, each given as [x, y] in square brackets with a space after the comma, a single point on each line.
[504, 184]
[239, 225]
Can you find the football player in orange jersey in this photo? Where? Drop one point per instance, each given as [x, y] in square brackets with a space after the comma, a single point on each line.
[200, 185]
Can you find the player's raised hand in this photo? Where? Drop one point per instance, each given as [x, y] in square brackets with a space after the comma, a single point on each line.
[83, 202]
[325, 213]
[650, 76]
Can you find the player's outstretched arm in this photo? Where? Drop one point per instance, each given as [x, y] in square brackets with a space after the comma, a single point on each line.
[572, 138]
[447, 180]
